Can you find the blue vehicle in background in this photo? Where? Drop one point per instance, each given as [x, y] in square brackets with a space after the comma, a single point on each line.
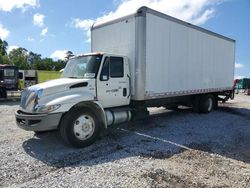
[243, 85]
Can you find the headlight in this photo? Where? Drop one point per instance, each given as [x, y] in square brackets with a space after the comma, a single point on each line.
[46, 108]
[38, 108]
[38, 94]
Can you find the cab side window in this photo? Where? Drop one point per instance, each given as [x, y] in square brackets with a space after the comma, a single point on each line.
[116, 67]
[105, 70]
[112, 67]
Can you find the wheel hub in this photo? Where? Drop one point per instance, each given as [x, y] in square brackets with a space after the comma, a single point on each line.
[84, 127]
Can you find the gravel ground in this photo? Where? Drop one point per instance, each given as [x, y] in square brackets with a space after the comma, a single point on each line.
[170, 149]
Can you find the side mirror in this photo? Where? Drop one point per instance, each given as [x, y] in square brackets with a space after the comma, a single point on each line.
[20, 75]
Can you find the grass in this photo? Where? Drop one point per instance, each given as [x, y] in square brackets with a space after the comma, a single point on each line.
[44, 76]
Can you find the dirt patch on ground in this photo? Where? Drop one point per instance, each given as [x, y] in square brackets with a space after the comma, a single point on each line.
[161, 178]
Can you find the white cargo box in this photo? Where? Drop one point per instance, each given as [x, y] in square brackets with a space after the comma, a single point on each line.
[168, 57]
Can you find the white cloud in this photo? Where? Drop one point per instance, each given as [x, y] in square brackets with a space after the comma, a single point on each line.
[238, 65]
[239, 77]
[8, 5]
[38, 19]
[11, 48]
[59, 54]
[30, 39]
[84, 25]
[193, 11]
[44, 31]
[4, 33]
[204, 17]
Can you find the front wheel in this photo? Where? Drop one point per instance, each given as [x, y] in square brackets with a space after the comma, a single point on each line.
[80, 127]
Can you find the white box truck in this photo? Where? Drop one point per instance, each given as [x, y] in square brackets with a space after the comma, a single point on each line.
[147, 59]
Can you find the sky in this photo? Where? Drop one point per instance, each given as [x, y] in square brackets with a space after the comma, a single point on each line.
[52, 27]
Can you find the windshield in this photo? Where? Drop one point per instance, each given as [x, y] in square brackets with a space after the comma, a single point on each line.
[82, 67]
[9, 72]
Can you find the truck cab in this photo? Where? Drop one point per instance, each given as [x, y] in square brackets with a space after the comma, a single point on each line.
[84, 100]
[108, 73]
[8, 79]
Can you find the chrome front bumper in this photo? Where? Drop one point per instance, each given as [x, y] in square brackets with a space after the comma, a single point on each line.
[34, 122]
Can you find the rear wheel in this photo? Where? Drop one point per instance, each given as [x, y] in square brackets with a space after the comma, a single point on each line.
[206, 103]
[80, 127]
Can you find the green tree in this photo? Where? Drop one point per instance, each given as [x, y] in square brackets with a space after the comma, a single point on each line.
[5, 60]
[3, 52]
[23, 59]
[49, 63]
[69, 54]
[19, 58]
[3, 47]
[59, 64]
[34, 60]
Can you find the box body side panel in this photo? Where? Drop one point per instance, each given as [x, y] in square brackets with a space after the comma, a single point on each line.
[180, 58]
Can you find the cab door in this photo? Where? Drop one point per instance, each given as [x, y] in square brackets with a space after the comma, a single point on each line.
[113, 83]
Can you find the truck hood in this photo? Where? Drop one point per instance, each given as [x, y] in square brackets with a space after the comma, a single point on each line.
[60, 85]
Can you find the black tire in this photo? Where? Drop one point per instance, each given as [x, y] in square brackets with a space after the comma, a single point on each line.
[70, 134]
[196, 104]
[206, 103]
[232, 94]
[215, 102]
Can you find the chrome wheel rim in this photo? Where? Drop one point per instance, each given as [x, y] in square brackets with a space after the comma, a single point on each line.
[84, 127]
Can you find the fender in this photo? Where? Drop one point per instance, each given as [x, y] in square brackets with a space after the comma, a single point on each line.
[66, 99]
[97, 108]
[102, 113]
[70, 99]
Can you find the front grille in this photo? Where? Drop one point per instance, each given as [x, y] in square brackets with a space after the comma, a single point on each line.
[28, 100]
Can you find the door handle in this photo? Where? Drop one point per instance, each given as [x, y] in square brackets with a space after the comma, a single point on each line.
[129, 81]
[107, 84]
[124, 92]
